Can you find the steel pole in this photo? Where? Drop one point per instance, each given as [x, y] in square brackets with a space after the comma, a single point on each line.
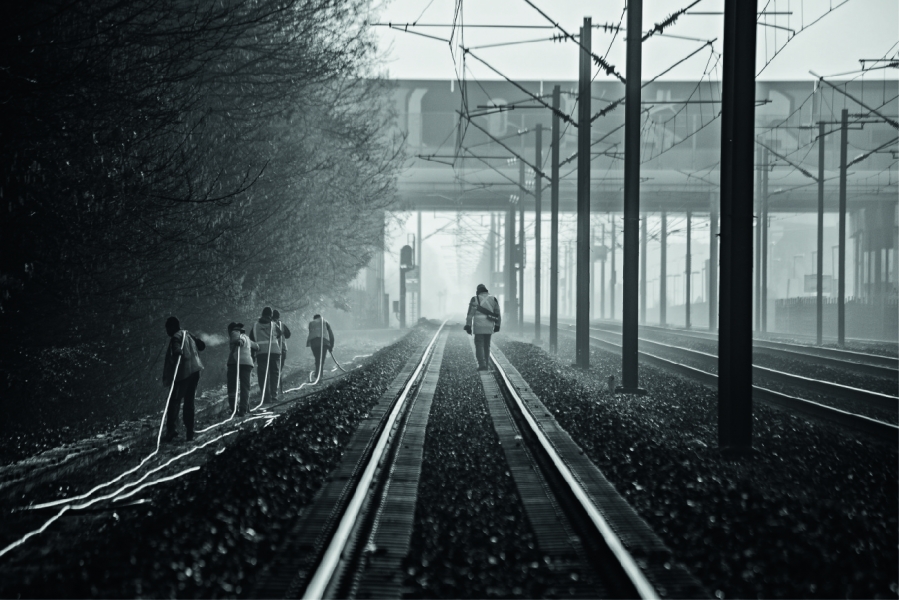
[737, 144]
[764, 225]
[538, 217]
[819, 314]
[663, 275]
[613, 276]
[631, 266]
[402, 298]
[582, 326]
[688, 273]
[510, 309]
[758, 241]
[554, 229]
[521, 248]
[841, 302]
[713, 263]
[421, 287]
[602, 278]
[643, 237]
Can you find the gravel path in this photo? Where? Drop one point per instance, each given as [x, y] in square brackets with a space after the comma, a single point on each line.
[811, 513]
[208, 533]
[471, 538]
[26, 435]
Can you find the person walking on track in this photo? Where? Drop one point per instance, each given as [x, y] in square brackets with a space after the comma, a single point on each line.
[320, 344]
[188, 347]
[483, 320]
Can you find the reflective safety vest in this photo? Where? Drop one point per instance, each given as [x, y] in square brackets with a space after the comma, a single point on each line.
[265, 331]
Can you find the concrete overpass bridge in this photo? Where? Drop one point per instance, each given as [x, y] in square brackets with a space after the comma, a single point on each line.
[469, 165]
[456, 165]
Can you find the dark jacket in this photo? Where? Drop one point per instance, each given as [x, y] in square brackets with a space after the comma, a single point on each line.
[285, 335]
[188, 349]
[315, 334]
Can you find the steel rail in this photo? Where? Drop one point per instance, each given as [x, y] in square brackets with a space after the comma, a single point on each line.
[875, 427]
[817, 385]
[325, 571]
[862, 362]
[628, 564]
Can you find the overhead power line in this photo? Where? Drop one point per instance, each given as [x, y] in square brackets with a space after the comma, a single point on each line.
[600, 62]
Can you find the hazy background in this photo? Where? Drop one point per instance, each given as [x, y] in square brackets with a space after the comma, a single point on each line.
[831, 47]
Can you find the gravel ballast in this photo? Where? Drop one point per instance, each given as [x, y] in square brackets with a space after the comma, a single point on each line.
[209, 533]
[812, 512]
[471, 538]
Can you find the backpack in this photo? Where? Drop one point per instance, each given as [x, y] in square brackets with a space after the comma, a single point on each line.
[491, 316]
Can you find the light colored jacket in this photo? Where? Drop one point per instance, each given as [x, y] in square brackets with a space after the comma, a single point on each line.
[478, 321]
[243, 346]
[261, 332]
[316, 332]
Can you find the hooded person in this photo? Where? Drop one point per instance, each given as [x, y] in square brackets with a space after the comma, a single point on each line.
[266, 333]
[240, 365]
[186, 377]
[319, 343]
[483, 320]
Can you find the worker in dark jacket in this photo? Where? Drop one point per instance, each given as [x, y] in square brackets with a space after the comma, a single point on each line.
[240, 365]
[267, 334]
[483, 320]
[187, 347]
[319, 343]
[285, 334]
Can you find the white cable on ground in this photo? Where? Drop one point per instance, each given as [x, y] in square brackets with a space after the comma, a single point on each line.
[143, 462]
[280, 363]
[112, 495]
[158, 481]
[236, 396]
[31, 534]
[268, 360]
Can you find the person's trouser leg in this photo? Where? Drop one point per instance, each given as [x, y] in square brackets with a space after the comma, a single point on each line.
[274, 377]
[190, 393]
[244, 404]
[319, 353]
[171, 415]
[281, 370]
[261, 371]
[232, 387]
[479, 349]
[487, 350]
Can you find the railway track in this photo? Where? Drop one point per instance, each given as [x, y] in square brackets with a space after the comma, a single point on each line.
[851, 420]
[356, 536]
[763, 373]
[847, 360]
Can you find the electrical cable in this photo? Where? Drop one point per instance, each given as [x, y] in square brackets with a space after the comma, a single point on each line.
[142, 462]
[237, 366]
[112, 495]
[268, 361]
